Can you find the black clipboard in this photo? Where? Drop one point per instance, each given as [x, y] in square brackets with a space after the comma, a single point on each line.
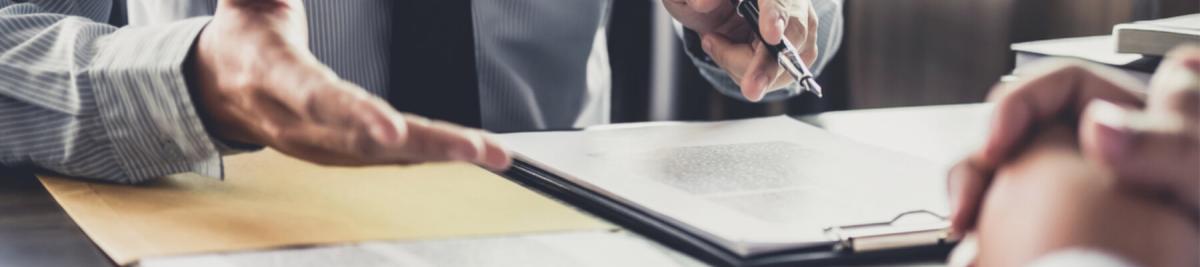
[840, 252]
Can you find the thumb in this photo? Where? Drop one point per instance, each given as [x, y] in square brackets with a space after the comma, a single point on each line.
[733, 57]
[1157, 152]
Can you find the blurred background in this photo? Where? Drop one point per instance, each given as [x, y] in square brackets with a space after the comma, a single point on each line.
[894, 53]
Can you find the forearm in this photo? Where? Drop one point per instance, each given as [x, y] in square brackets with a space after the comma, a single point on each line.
[1049, 199]
[88, 99]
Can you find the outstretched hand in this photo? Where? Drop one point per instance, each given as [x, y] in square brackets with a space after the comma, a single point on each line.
[257, 82]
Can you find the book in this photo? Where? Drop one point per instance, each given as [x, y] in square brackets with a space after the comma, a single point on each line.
[755, 192]
[1097, 49]
[1157, 37]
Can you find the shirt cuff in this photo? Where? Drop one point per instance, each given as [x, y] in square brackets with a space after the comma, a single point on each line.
[227, 147]
[143, 101]
[1080, 257]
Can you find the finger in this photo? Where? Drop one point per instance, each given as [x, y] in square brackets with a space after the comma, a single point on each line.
[384, 130]
[327, 145]
[772, 20]
[734, 58]
[809, 40]
[1179, 99]
[374, 133]
[321, 145]
[1053, 90]
[704, 6]
[495, 157]
[1156, 152]
[759, 76]
[966, 183]
[804, 38]
[810, 55]
[1175, 87]
[1146, 147]
[335, 124]
[780, 79]
[440, 141]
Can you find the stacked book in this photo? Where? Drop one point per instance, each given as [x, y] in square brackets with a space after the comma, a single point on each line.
[1135, 47]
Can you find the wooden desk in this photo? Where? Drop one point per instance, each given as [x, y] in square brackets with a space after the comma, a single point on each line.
[35, 231]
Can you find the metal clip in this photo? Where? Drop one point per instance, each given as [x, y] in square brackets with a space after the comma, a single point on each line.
[888, 235]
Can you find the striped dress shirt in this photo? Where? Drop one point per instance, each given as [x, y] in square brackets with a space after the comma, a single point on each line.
[84, 98]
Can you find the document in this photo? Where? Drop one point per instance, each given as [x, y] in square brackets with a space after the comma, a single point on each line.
[753, 186]
[268, 200]
[582, 248]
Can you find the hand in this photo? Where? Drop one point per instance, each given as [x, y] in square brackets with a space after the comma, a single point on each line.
[1049, 198]
[730, 42]
[1151, 147]
[256, 82]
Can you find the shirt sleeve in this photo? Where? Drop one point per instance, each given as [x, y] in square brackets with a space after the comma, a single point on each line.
[829, 38]
[91, 100]
[1080, 257]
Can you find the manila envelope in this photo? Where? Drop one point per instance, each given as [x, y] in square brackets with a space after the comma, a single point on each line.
[269, 200]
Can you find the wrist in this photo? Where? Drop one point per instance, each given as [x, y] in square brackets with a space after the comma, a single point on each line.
[203, 83]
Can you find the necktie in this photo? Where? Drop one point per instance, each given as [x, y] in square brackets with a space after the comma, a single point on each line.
[433, 61]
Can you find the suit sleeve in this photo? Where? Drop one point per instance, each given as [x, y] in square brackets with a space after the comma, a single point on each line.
[829, 38]
[87, 99]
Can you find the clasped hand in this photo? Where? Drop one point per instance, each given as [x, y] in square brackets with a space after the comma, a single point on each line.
[1150, 142]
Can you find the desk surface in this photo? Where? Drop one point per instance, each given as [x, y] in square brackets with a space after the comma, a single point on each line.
[35, 231]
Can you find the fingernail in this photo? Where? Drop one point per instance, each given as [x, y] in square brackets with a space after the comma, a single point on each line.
[462, 154]
[1116, 142]
[781, 24]
[1108, 114]
[706, 43]
[1113, 130]
[498, 166]
[955, 175]
[1193, 64]
[762, 81]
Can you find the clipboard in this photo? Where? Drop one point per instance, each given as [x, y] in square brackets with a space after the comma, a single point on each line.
[865, 243]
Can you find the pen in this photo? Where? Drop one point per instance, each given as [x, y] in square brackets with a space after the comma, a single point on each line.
[785, 52]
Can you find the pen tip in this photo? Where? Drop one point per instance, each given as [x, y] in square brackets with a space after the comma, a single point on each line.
[813, 87]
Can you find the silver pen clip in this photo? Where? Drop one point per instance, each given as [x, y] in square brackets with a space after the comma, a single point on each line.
[791, 62]
[889, 234]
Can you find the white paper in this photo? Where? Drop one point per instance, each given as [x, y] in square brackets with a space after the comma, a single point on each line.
[753, 185]
[586, 249]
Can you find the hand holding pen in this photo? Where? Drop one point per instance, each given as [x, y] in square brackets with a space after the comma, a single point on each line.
[755, 54]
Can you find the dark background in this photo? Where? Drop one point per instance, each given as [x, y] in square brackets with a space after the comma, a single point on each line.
[894, 53]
